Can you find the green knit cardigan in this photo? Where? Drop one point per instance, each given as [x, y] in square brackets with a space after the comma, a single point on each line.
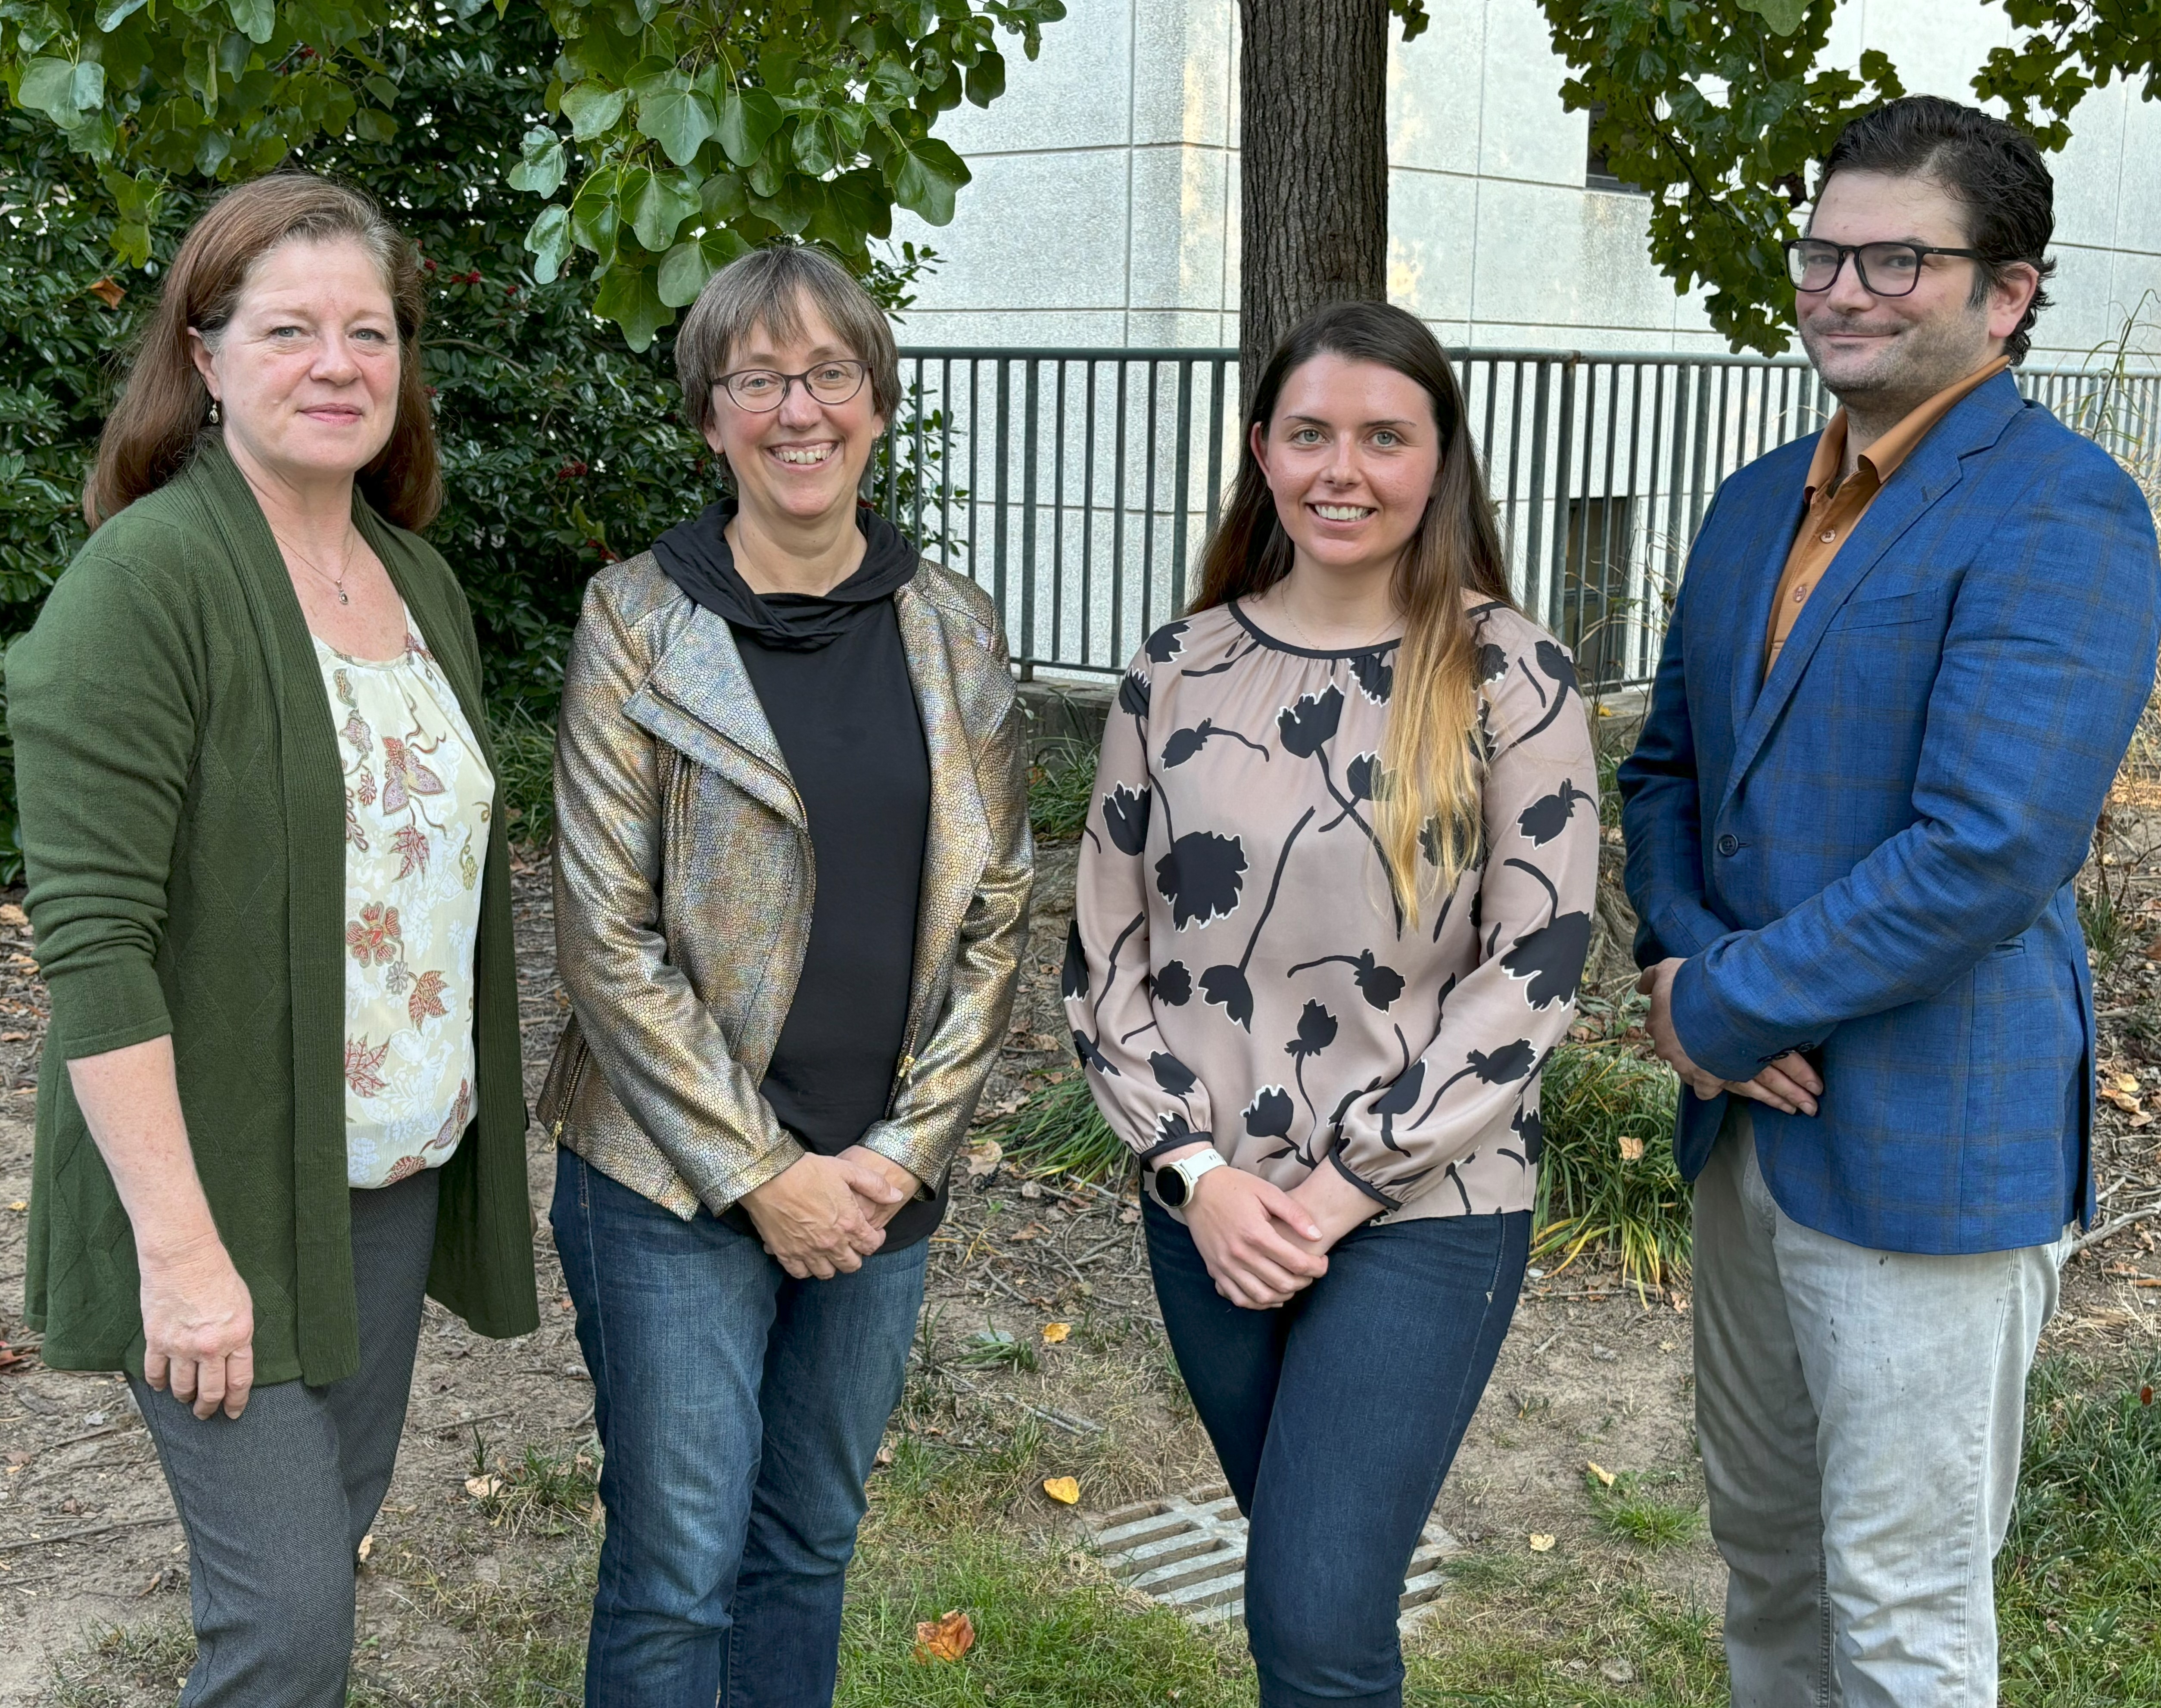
[183, 826]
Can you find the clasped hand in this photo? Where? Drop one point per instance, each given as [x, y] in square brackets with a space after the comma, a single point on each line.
[821, 1216]
[1789, 1084]
[1263, 1244]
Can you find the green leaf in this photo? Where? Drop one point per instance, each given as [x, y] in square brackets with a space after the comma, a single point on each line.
[549, 243]
[721, 199]
[630, 297]
[593, 108]
[685, 269]
[929, 175]
[383, 89]
[749, 118]
[49, 87]
[1784, 17]
[256, 19]
[817, 147]
[371, 124]
[658, 203]
[211, 147]
[112, 13]
[595, 218]
[541, 163]
[676, 116]
[986, 77]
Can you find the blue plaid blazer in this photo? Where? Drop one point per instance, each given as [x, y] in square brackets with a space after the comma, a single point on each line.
[1868, 856]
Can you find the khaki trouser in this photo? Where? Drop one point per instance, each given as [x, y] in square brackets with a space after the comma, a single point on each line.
[1860, 1414]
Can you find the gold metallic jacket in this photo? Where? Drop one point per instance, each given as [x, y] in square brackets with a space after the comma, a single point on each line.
[684, 885]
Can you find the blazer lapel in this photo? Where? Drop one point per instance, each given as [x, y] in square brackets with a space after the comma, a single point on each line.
[1767, 552]
[958, 845]
[1935, 466]
[699, 699]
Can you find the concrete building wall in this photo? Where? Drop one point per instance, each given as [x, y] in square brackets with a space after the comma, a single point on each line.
[1104, 211]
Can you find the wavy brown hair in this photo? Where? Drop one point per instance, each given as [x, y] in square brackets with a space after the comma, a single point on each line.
[1426, 809]
[164, 407]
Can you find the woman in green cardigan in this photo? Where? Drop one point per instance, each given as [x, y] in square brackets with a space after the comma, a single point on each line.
[281, 1097]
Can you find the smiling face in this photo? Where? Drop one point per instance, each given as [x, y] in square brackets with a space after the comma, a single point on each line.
[1885, 352]
[305, 370]
[1352, 454]
[801, 463]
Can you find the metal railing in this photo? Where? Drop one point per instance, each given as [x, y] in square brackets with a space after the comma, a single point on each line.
[1079, 485]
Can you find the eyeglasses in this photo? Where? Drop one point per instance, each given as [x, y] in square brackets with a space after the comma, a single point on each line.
[761, 389]
[1884, 269]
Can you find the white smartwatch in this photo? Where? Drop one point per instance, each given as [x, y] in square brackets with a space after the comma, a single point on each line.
[1172, 1183]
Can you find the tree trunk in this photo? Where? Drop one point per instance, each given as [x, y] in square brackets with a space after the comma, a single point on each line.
[1314, 152]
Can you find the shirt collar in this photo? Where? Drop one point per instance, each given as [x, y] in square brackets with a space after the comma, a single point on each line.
[1882, 458]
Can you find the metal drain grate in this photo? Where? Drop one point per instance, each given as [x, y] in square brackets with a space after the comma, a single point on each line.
[1189, 1551]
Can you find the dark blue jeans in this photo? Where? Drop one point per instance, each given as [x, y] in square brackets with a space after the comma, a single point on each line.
[739, 1411]
[1335, 1418]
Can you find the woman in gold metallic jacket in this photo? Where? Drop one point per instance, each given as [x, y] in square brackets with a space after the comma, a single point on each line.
[791, 890]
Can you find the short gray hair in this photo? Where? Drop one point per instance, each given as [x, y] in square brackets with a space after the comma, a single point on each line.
[769, 289]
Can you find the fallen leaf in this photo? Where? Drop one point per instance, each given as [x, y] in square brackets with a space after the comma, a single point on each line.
[1632, 1148]
[366, 1545]
[1065, 1490]
[1054, 1332]
[109, 293]
[1599, 1472]
[2120, 1100]
[1130, 1215]
[884, 1453]
[14, 1037]
[946, 1639]
[1617, 1670]
[19, 1206]
[2142, 1119]
[2127, 1082]
[10, 914]
[983, 1158]
[1541, 1543]
[482, 1488]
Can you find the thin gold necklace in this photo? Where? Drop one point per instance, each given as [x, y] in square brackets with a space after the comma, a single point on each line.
[1312, 645]
[336, 581]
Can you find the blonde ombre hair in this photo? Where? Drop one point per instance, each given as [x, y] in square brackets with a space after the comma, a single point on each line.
[1427, 813]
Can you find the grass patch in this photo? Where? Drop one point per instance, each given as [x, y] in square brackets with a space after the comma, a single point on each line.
[2079, 1581]
[1513, 1634]
[119, 1661]
[1050, 1631]
[1059, 1130]
[524, 772]
[1608, 1178]
[1629, 1510]
[545, 1494]
[1061, 787]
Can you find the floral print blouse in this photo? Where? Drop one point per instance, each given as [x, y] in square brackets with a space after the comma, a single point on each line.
[1238, 968]
[417, 800]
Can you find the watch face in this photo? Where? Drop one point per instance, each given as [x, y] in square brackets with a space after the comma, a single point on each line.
[1170, 1188]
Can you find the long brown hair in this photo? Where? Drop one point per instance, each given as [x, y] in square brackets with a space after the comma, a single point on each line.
[1426, 810]
[163, 406]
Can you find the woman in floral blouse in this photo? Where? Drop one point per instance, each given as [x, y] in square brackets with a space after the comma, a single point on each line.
[280, 1099]
[1334, 900]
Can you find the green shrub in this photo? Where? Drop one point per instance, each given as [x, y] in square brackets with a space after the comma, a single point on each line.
[1608, 1180]
[1058, 1129]
[1061, 786]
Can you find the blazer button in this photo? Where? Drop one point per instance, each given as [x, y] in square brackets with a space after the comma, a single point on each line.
[1729, 844]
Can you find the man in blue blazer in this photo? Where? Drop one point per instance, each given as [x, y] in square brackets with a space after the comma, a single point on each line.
[1902, 672]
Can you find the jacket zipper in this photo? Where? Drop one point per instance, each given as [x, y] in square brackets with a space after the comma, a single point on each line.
[570, 1091]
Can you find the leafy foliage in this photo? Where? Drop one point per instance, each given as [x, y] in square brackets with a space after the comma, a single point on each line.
[562, 450]
[1607, 1179]
[665, 139]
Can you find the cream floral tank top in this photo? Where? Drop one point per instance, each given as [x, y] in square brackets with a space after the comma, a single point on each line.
[417, 800]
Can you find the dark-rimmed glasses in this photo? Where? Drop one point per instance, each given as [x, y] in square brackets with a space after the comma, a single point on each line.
[1884, 269]
[762, 389]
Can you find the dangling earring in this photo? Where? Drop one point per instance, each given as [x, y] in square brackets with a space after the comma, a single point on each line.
[213, 412]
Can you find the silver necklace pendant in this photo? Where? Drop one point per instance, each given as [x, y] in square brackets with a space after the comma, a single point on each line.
[342, 600]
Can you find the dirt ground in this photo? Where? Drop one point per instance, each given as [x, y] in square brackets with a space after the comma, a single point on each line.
[88, 1541]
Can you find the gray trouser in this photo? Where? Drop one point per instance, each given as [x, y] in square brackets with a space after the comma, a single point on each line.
[1861, 1415]
[275, 1501]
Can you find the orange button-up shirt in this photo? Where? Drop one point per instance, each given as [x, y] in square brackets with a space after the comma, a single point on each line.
[1835, 506]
